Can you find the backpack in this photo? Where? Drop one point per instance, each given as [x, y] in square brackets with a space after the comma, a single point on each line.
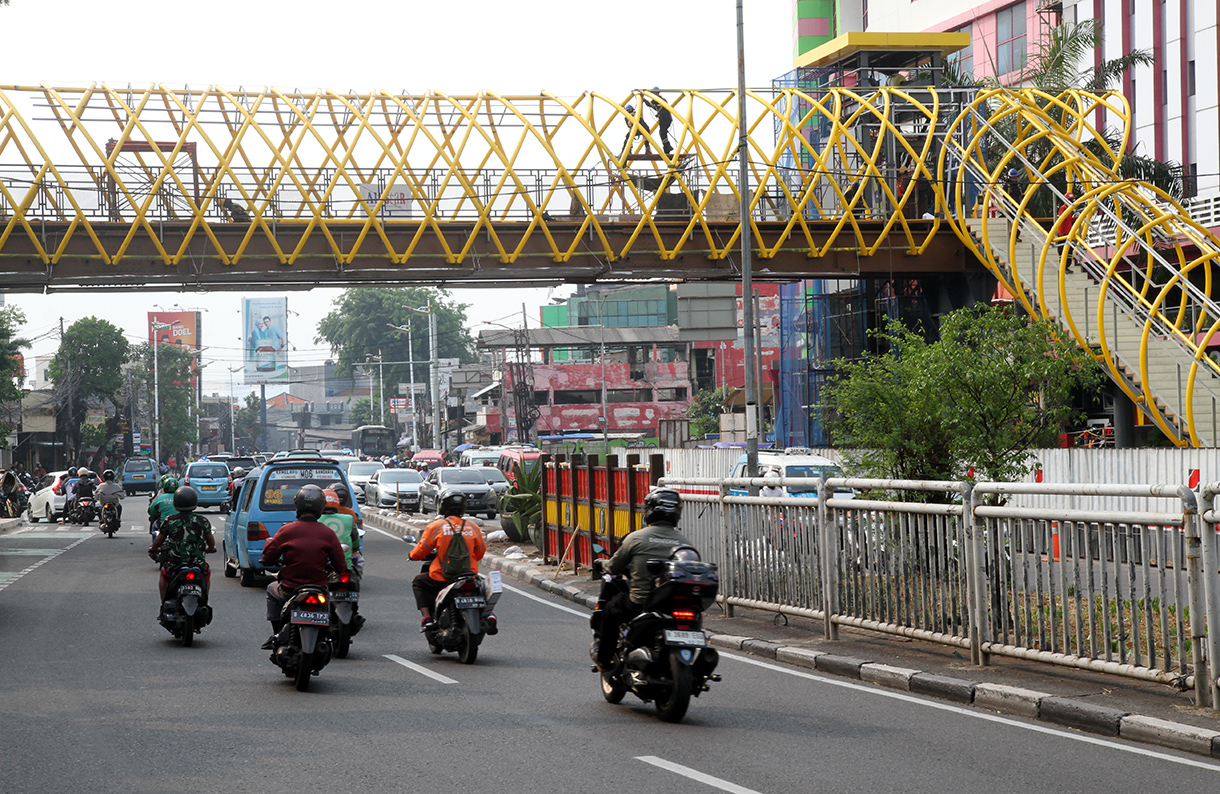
[457, 557]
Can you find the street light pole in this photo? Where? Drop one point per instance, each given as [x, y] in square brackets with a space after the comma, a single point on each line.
[434, 373]
[156, 326]
[747, 285]
[233, 411]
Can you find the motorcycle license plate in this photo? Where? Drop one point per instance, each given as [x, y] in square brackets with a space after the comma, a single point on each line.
[465, 602]
[693, 639]
[344, 595]
[302, 617]
[190, 589]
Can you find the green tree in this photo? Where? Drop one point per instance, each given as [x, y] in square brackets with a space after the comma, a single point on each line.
[358, 328]
[248, 423]
[995, 386]
[704, 412]
[175, 397]
[88, 365]
[11, 318]
[362, 412]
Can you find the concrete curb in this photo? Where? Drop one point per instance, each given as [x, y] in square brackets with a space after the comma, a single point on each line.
[1001, 698]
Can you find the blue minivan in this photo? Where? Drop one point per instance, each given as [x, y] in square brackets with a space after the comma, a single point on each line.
[264, 504]
[211, 483]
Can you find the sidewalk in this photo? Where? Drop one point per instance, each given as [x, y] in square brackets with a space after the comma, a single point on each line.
[1101, 704]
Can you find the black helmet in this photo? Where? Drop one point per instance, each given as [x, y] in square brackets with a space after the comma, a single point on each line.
[185, 499]
[451, 502]
[663, 506]
[71, 471]
[345, 496]
[310, 501]
[108, 474]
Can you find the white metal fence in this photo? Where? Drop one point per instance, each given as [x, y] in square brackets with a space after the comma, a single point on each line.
[1124, 591]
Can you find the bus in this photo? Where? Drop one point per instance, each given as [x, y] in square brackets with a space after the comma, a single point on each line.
[373, 441]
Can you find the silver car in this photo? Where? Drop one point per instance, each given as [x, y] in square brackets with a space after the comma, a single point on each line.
[397, 488]
[479, 496]
[498, 482]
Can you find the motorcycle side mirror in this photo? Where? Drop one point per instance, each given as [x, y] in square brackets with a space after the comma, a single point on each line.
[409, 538]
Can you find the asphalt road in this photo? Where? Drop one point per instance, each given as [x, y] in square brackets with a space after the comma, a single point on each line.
[96, 696]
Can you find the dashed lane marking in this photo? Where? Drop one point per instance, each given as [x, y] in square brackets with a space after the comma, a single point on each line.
[696, 775]
[5, 582]
[420, 669]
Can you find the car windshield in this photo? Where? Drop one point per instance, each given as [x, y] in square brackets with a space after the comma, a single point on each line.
[492, 475]
[208, 470]
[811, 471]
[360, 469]
[138, 465]
[281, 484]
[245, 463]
[401, 475]
[461, 477]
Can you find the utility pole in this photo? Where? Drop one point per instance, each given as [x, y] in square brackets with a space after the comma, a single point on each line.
[436, 379]
[747, 234]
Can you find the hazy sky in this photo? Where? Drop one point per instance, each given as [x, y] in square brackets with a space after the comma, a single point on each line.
[460, 46]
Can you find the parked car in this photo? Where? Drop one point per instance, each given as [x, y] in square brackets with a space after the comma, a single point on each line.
[511, 456]
[394, 488]
[479, 496]
[264, 504]
[433, 457]
[792, 462]
[211, 483]
[498, 482]
[48, 499]
[140, 476]
[358, 474]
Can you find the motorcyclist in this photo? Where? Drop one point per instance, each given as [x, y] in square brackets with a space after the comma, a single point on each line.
[85, 485]
[162, 505]
[345, 507]
[434, 544]
[183, 539]
[70, 489]
[305, 547]
[110, 492]
[656, 540]
[344, 526]
[238, 474]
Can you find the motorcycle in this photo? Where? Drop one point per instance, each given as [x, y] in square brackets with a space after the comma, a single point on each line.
[662, 653]
[345, 623]
[16, 496]
[109, 520]
[83, 511]
[185, 610]
[302, 646]
[463, 615]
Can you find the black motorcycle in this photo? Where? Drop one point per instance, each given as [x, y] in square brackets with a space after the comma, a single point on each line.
[344, 597]
[302, 646]
[462, 616]
[662, 654]
[185, 610]
[83, 511]
[109, 519]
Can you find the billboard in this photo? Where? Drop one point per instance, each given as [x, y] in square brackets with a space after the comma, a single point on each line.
[181, 329]
[265, 331]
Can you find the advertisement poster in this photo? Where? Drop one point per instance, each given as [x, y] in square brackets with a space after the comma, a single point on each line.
[265, 324]
[180, 329]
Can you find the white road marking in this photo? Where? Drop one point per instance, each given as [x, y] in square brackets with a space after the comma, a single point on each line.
[19, 531]
[14, 577]
[976, 713]
[966, 712]
[382, 531]
[560, 607]
[419, 669]
[696, 775]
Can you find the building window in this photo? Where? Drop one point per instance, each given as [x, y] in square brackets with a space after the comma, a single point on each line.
[577, 397]
[1010, 39]
[676, 394]
[1190, 181]
[963, 59]
[628, 395]
[542, 397]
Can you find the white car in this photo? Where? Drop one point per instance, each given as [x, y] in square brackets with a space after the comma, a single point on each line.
[358, 474]
[48, 500]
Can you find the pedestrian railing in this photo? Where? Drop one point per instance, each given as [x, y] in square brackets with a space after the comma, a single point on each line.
[1125, 592]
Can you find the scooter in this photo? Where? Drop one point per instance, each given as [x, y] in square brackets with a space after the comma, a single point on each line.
[185, 610]
[302, 646]
[109, 522]
[463, 615]
[345, 623]
[662, 653]
[84, 510]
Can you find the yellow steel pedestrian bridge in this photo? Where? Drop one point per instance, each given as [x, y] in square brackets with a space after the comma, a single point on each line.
[104, 187]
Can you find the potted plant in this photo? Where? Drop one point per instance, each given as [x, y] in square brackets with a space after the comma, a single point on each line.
[521, 506]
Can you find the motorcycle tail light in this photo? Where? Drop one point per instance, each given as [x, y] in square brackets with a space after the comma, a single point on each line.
[684, 614]
[344, 578]
[469, 587]
[256, 531]
[190, 576]
[315, 599]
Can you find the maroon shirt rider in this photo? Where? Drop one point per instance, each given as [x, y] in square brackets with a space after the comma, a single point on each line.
[303, 548]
